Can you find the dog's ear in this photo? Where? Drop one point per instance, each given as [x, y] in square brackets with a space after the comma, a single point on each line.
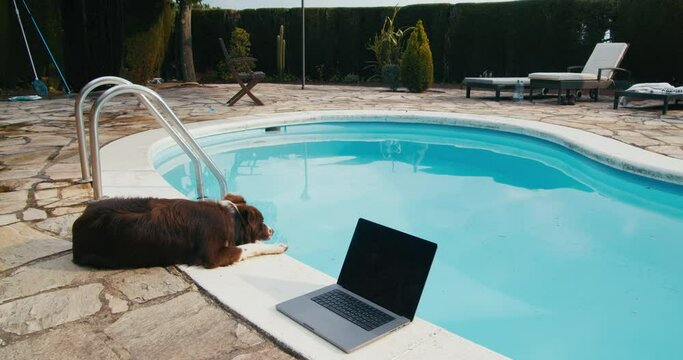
[247, 213]
[235, 199]
[252, 216]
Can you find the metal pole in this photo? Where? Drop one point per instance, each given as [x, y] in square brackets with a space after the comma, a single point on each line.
[303, 46]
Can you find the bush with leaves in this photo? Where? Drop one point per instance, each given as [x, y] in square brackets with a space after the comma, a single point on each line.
[387, 46]
[391, 74]
[417, 69]
[240, 46]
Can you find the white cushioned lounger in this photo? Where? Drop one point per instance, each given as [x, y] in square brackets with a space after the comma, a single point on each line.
[559, 76]
[596, 74]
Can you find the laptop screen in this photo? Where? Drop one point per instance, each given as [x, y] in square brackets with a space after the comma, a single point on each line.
[387, 267]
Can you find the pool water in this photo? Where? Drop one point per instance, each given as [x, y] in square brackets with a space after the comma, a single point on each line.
[543, 253]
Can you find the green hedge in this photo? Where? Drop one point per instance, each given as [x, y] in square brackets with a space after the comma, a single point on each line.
[146, 38]
[655, 31]
[126, 38]
[133, 38]
[509, 38]
[527, 36]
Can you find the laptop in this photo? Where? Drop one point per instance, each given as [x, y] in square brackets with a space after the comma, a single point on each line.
[378, 289]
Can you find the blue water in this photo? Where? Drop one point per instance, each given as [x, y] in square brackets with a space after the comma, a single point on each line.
[543, 254]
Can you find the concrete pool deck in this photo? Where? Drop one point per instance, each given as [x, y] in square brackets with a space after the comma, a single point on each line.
[49, 305]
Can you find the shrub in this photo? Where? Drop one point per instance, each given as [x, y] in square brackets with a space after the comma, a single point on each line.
[417, 69]
[351, 79]
[387, 46]
[240, 46]
[391, 74]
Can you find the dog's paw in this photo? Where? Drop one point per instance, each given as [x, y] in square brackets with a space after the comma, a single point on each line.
[278, 248]
[251, 250]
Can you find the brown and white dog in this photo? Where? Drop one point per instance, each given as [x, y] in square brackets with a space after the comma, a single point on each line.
[145, 232]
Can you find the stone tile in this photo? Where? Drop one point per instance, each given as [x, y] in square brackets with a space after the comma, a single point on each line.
[22, 157]
[19, 244]
[602, 132]
[52, 185]
[13, 201]
[676, 131]
[64, 171]
[638, 140]
[59, 225]
[68, 196]
[68, 155]
[15, 121]
[68, 210]
[19, 184]
[76, 191]
[80, 341]
[12, 141]
[47, 310]
[142, 285]
[47, 275]
[671, 139]
[270, 353]
[44, 197]
[116, 304]
[49, 140]
[247, 336]
[170, 330]
[673, 151]
[8, 219]
[31, 214]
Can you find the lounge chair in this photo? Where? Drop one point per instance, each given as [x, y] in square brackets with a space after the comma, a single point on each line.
[595, 75]
[650, 91]
[246, 80]
[495, 83]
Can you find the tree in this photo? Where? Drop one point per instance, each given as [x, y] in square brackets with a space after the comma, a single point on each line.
[185, 40]
[417, 69]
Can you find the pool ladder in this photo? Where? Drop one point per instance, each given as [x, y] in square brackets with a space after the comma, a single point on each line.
[174, 128]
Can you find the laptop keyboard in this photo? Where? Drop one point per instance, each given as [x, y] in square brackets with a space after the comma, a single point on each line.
[352, 309]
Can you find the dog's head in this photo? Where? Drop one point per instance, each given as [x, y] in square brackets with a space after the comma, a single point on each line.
[252, 220]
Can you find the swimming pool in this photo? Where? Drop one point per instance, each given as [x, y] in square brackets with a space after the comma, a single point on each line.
[542, 252]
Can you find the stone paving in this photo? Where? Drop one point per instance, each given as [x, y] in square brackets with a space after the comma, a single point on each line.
[53, 309]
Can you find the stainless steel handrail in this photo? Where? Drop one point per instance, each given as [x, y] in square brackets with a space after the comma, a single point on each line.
[175, 128]
[80, 127]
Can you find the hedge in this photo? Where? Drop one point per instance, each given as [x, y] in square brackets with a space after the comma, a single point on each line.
[134, 38]
[509, 38]
[655, 32]
[15, 68]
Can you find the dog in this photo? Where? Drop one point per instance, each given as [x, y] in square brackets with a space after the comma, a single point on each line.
[145, 232]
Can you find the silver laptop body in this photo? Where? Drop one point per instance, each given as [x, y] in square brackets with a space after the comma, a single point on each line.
[384, 270]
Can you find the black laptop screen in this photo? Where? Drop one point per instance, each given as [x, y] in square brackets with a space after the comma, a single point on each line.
[387, 267]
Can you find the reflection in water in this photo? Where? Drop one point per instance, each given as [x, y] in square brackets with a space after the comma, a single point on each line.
[304, 194]
[434, 159]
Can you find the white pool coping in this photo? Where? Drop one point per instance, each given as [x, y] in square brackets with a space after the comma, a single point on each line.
[252, 288]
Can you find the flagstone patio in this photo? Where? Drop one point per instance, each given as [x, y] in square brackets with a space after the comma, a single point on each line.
[51, 308]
